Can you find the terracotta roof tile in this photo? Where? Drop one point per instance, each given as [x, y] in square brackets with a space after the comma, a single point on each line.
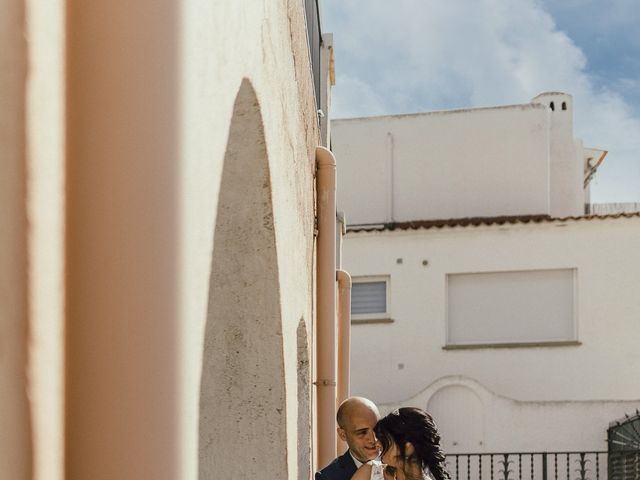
[480, 221]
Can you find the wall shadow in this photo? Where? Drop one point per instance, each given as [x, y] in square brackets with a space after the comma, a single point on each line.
[242, 424]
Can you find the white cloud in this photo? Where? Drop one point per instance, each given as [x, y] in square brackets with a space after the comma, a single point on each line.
[419, 55]
[355, 97]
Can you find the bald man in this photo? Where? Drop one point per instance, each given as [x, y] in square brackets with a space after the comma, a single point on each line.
[357, 416]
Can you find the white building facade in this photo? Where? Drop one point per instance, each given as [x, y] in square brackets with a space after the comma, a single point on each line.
[501, 329]
[483, 162]
[482, 292]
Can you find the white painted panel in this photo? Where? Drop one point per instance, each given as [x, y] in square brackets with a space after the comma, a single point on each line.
[506, 307]
[363, 153]
[459, 416]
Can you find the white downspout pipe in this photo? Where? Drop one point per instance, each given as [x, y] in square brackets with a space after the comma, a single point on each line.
[344, 343]
[326, 307]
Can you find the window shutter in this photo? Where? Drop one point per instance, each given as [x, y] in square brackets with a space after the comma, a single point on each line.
[368, 297]
[511, 307]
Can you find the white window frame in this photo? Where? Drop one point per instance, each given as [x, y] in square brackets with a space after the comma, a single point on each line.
[371, 279]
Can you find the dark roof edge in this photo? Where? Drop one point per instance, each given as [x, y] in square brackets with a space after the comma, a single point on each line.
[480, 221]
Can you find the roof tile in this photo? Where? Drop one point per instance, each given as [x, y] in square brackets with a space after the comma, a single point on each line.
[480, 221]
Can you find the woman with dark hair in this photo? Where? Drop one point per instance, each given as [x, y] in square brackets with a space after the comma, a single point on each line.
[410, 448]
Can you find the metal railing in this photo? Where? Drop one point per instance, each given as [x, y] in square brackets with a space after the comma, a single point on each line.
[623, 438]
[611, 208]
[528, 466]
[624, 465]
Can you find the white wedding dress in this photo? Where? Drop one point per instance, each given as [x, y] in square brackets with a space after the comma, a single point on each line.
[377, 471]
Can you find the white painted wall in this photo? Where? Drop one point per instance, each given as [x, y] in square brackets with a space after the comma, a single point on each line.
[265, 43]
[510, 160]
[473, 419]
[480, 162]
[222, 44]
[115, 126]
[562, 387]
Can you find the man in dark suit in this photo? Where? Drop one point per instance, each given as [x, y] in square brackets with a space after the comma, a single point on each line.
[356, 419]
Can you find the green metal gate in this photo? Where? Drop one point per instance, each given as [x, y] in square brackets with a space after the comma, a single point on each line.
[623, 437]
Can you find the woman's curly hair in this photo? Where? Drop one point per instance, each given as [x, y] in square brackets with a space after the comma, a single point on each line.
[413, 425]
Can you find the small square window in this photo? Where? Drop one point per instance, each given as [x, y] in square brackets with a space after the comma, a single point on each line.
[370, 298]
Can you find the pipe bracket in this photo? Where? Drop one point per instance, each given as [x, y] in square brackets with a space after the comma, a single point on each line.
[325, 383]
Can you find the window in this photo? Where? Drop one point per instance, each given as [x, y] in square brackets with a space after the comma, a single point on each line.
[521, 307]
[370, 298]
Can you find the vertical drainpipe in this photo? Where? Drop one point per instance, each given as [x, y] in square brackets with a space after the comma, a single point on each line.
[344, 341]
[326, 306]
[390, 166]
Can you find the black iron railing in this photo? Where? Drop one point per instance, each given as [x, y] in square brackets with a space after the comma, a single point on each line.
[314, 35]
[528, 466]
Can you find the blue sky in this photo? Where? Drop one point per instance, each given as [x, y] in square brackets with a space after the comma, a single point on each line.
[406, 56]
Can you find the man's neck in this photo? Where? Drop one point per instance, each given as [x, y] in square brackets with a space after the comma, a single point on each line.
[355, 460]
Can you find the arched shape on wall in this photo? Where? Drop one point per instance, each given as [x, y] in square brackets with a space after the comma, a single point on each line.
[459, 415]
[304, 403]
[242, 425]
[564, 105]
[552, 105]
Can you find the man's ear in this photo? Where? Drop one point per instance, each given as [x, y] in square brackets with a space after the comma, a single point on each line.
[341, 434]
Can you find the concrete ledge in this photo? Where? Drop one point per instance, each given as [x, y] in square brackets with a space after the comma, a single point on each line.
[371, 321]
[562, 343]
